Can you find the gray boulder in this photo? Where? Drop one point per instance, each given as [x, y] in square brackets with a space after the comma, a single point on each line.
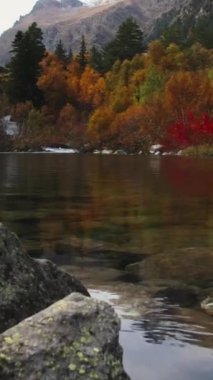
[75, 338]
[27, 285]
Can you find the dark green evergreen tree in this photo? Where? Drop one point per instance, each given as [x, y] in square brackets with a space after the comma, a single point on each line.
[202, 32]
[83, 54]
[127, 43]
[174, 34]
[96, 59]
[70, 55]
[60, 51]
[27, 51]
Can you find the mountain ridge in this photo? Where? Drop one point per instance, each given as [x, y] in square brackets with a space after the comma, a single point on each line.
[67, 20]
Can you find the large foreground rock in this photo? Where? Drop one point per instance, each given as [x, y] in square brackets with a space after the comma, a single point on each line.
[27, 285]
[75, 338]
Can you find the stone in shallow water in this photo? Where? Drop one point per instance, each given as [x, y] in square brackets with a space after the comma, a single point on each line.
[27, 285]
[188, 265]
[75, 338]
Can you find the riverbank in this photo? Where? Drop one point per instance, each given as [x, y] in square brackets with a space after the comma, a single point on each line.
[156, 149]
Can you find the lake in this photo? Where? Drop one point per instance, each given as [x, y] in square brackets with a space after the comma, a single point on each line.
[127, 226]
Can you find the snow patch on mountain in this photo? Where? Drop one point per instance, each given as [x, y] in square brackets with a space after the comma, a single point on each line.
[94, 3]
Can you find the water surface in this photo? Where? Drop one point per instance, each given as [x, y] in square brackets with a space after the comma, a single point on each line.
[98, 215]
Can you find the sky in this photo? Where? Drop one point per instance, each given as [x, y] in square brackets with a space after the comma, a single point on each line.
[11, 10]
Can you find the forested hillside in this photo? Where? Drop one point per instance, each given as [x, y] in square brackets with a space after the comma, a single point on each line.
[128, 95]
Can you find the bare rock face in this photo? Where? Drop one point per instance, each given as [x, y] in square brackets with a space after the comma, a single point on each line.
[27, 285]
[67, 20]
[75, 338]
[46, 4]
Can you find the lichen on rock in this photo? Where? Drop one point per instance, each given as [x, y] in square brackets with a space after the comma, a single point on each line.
[75, 338]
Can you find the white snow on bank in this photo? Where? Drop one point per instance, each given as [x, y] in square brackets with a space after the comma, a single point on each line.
[156, 149]
[103, 151]
[59, 150]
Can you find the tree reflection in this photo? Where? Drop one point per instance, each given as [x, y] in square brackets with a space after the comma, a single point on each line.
[164, 323]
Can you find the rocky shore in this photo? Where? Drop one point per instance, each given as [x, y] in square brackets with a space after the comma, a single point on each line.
[75, 337]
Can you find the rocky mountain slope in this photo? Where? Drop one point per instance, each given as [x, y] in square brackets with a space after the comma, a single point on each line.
[69, 19]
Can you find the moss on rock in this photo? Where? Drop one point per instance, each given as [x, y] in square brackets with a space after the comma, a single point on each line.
[76, 338]
[27, 285]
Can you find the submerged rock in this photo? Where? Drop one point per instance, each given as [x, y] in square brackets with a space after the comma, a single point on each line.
[189, 265]
[185, 296]
[27, 285]
[75, 338]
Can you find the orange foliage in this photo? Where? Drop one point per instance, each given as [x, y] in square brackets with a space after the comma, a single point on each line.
[53, 82]
[21, 111]
[127, 128]
[156, 52]
[174, 59]
[155, 119]
[91, 88]
[186, 91]
[73, 80]
[99, 124]
[68, 117]
[135, 103]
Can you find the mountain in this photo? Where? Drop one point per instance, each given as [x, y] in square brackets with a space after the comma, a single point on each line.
[99, 20]
[45, 5]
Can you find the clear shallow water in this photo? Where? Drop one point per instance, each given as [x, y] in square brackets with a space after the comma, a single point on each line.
[163, 343]
[97, 215]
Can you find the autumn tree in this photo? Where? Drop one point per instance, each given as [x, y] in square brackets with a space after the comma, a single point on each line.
[156, 51]
[98, 130]
[127, 129]
[69, 126]
[73, 76]
[174, 58]
[52, 82]
[152, 83]
[186, 92]
[117, 86]
[193, 131]
[198, 57]
[92, 89]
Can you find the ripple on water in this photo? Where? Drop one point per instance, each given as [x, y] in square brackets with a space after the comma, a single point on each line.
[165, 342]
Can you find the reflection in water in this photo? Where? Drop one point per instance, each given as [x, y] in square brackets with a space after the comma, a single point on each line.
[91, 213]
[133, 203]
[149, 361]
[163, 343]
[167, 324]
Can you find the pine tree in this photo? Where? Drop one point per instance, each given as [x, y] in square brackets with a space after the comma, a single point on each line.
[27, 51]
[82, 55]
[173, 34]
[127, 43]
[69, 55]
[60, 51]
[96, 59]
